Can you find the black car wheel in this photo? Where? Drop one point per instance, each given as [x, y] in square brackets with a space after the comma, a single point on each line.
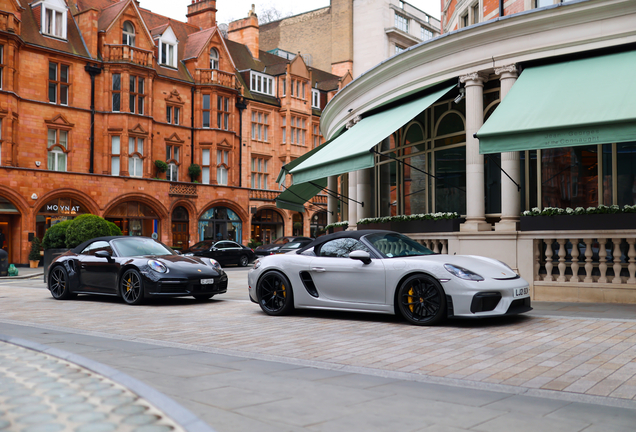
[58, 283]
[131, 286]
[243, 261]
[203, 297]
[421, 300]
[274, 294]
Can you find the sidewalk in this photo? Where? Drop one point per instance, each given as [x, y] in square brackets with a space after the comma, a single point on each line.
[54, 390]
[25, 273]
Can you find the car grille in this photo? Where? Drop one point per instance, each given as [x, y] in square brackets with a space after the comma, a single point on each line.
[520, 306]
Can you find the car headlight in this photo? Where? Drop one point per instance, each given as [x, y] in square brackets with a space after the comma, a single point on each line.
[215, 264]
[157, 266]
[257, 264]
[462, 273]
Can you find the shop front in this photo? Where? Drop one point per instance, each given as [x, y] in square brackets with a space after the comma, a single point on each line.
[220, 223]
[56, 211]
[267, 226]
[318, 224]
[135, 219]
[10, 221]
[180, 228]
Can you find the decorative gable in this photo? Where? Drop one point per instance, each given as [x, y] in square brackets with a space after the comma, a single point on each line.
[299, 68]
[174, 138]
[60, 121]
[174, 98]
[138, 130]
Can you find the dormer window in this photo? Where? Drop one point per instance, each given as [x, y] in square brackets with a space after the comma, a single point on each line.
[214, 59]
[315, 98]
[261, 83]
[168, 48]
[53, 18]
[128, 34]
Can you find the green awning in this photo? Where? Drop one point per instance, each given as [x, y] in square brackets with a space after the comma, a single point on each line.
[350, 151]
[581, 102]
[294, 197]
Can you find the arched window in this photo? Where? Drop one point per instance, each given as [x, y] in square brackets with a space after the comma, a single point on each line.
[214, 59]
[128, 34]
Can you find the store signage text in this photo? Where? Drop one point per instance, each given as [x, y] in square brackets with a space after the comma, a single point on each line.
[572, 138]
[62, 209]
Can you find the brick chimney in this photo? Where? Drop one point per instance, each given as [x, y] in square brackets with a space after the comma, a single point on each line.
[202, 13]
[246, 31]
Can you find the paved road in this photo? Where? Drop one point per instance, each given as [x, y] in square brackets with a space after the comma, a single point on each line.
[238, 369]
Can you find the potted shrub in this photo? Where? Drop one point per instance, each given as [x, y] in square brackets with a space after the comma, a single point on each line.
[161, 166]
[54, 244]
[194, 171]
[34, 254]
[591, 218]
[86, 227]
[337, 226]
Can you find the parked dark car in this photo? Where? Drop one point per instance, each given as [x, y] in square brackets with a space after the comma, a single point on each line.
[224, 251]
[133, 268]
[294, 245]
[280, 243]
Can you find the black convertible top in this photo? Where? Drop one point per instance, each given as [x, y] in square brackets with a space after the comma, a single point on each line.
[341, 234]
[78, 249]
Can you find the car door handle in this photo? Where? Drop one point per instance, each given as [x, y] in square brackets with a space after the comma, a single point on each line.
[318, 269]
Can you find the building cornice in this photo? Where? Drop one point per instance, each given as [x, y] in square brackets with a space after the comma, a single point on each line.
[537, 34]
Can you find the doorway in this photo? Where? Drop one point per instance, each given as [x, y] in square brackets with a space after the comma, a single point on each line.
[180, 228]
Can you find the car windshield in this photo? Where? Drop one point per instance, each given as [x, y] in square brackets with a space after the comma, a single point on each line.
[135, 246]
[280, 241]
[294, 245]
[204, 245]
[396, 245]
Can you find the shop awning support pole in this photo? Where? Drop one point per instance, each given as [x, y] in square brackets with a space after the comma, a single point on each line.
[336, 195]
[298, 196]
[503, 171]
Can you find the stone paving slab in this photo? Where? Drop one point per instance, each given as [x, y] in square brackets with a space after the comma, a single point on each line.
[589, 356]
[40, 391]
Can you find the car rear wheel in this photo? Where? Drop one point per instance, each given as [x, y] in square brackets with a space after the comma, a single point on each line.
[421, 300]
[243, 261]
[58, 284]
[131, 286]
[203, 297]
[274, 294]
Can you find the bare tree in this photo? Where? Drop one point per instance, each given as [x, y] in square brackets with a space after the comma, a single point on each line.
[269, 13]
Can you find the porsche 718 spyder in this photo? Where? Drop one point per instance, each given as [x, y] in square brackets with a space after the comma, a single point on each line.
[133, 268]
[386, 272]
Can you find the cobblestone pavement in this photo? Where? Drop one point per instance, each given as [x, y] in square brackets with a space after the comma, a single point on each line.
[39, 392]
[588, 356]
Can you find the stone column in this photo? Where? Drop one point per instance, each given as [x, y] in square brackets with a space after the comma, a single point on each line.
[510, 163]
[365, 193]
[475, 192]
[332, 201]
[353, 194]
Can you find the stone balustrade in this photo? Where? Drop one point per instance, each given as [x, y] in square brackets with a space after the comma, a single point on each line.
[9, 22]
[128, 54]
[214, 76]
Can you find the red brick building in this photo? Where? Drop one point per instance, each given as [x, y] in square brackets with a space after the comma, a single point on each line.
[93, 92]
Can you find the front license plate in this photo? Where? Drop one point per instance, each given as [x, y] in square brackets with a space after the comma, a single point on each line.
[521, 292]
[207, 281]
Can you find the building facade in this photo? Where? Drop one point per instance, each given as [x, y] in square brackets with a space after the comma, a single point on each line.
[95, 92]
[532, 110]
[351, 35]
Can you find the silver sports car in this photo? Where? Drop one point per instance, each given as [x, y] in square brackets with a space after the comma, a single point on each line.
[386, 272]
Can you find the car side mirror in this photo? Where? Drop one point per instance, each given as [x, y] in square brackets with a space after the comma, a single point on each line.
[361, 255]
[102, 254]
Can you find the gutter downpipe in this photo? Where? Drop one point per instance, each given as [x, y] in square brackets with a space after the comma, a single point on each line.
[501, 8]
[93, 71]
[191, 125]
[240, 104]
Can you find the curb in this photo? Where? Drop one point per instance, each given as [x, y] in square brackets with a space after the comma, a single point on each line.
[183, 417]
[29, 276]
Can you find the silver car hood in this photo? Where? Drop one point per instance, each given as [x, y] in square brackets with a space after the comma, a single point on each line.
[486, 267]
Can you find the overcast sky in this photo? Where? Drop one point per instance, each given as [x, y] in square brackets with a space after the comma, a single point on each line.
[230, 10]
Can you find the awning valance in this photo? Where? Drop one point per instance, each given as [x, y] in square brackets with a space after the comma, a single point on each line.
[580, 102]
[295, 196]
[350, 151]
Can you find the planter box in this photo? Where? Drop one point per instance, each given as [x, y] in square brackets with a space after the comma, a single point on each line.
[49, 256]
[579, 222]
[335, 229]
[417, 226]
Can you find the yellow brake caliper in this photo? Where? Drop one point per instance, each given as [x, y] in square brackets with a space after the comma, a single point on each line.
[128, 284]
[410, 299]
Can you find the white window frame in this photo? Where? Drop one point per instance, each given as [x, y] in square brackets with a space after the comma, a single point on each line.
[168, 41]
[58, 149]
[205, 166]
[214, 61]
[425, 34]
[135, 157]
[401, 22]
[56, 7]
[222, 166]
[399, 49]
[128, 37]
[262, 83]
[260, 126]
[260, 173]
[115, 155]
[1, 67]
[315, 98]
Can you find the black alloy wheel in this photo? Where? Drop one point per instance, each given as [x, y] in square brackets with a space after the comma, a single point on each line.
[203, 297]
[421, 300]
[274, 294]
[243, 261]
[131, 286]
[59, 284]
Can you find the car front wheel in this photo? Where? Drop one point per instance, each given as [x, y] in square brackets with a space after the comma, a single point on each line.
[58, 284]
[421, 300]
[131, 287]
[274, 294]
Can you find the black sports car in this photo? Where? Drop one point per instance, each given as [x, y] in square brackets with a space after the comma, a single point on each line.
[133, 268]
[224, 251]
[274, 247]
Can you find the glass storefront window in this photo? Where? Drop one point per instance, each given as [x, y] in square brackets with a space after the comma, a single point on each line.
[267, 226]
[318, 224]
[220, 223]
[450, 173]
[626, 173]
[569, 177]
[608, 199]
[135, 219]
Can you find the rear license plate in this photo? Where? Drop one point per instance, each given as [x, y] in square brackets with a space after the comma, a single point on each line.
[521, 292]
[207, 281]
